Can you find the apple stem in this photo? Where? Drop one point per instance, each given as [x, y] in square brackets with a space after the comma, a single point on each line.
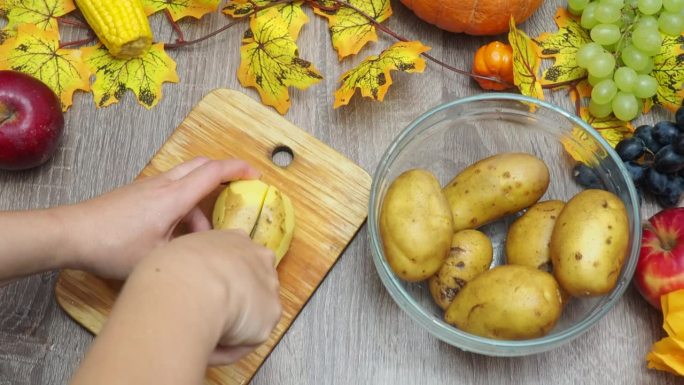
[5, 114]
[665, 244]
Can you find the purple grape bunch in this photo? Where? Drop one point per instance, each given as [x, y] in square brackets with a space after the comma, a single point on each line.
[654, 158]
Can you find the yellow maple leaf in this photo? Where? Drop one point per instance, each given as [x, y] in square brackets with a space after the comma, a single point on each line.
[372, 76]
[270, 61]
[181, 8]
[37, 53]
[668, 69]
[143, 75]
[292, 13]
[350, 31]
[583, 148]
[525, 63]
[562, 45]
[41, 13]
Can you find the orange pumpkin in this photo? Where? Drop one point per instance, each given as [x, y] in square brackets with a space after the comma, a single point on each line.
[474, 17]
[495, 60]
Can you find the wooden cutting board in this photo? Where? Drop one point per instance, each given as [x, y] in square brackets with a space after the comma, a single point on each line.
[329, 193]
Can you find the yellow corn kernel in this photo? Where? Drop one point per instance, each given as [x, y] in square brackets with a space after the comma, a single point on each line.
[120, 25]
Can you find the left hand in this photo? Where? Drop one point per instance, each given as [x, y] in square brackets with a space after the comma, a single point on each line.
[111, 233]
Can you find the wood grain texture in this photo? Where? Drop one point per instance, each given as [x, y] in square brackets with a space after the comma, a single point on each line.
[350, 332]
[329, 194]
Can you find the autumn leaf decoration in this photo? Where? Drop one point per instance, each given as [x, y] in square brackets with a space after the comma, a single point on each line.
[562, 46]
[372, 76]
[143, 75]
[525, 63]
[668, 69]
[351, 31]
[179, 9]
[270, 61]
[36, 52]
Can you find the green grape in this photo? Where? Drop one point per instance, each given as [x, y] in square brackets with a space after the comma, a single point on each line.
[673, 5]
[647, 40]
[648, 68]
[593, 80]
[602, 66]
[604, 91]
[648, 22]
[575, 12]
[650, 7]
[587, 52]
[646, 86]
[606, 13]
[588, 20]
[625, 106]
[671, 23]
[615, 3]
[605, 34]
[578, 4]
[600, 110]
[634, 58]
[625, 79]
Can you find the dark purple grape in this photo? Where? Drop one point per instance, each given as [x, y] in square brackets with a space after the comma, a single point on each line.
[665, 132]
[673, 192]
[630, 148]
[679, 144]
[656, 182]
[667, 201]
[645, 133]
[668, 161]
[585, 176]
[679, 117]
[636, 171]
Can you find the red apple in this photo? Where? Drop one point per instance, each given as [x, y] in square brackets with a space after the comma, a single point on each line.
[660, 269]
[31, 121]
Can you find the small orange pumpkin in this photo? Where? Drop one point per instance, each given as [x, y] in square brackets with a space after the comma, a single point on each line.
[474, 17]
[495, 60]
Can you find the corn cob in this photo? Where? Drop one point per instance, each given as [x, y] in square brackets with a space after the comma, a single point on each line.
[121, 25]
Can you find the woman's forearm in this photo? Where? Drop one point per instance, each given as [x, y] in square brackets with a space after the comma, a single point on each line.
[161, 331]
[32, 242]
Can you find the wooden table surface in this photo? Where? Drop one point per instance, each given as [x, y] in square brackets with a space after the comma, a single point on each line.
[351, 332]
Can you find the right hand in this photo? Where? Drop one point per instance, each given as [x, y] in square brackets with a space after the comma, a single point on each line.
[235, 274]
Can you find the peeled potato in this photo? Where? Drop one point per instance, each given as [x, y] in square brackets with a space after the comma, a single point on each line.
[261, 210]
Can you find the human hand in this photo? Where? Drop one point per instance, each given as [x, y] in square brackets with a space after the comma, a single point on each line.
[204, 298]
[231, 281]
[111, 233]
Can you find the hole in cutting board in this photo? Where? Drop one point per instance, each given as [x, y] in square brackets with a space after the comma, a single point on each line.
[282, 156]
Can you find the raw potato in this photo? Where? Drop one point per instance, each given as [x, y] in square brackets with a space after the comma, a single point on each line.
[495, 187]
[415, 225]
[471, 254]
[261, 210]
[509, 302]
[589, 243]
[529, 237]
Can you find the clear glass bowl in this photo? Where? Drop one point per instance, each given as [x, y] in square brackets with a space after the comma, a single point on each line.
[450, 137]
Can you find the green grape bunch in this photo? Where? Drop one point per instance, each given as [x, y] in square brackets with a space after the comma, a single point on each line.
[625, 36]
